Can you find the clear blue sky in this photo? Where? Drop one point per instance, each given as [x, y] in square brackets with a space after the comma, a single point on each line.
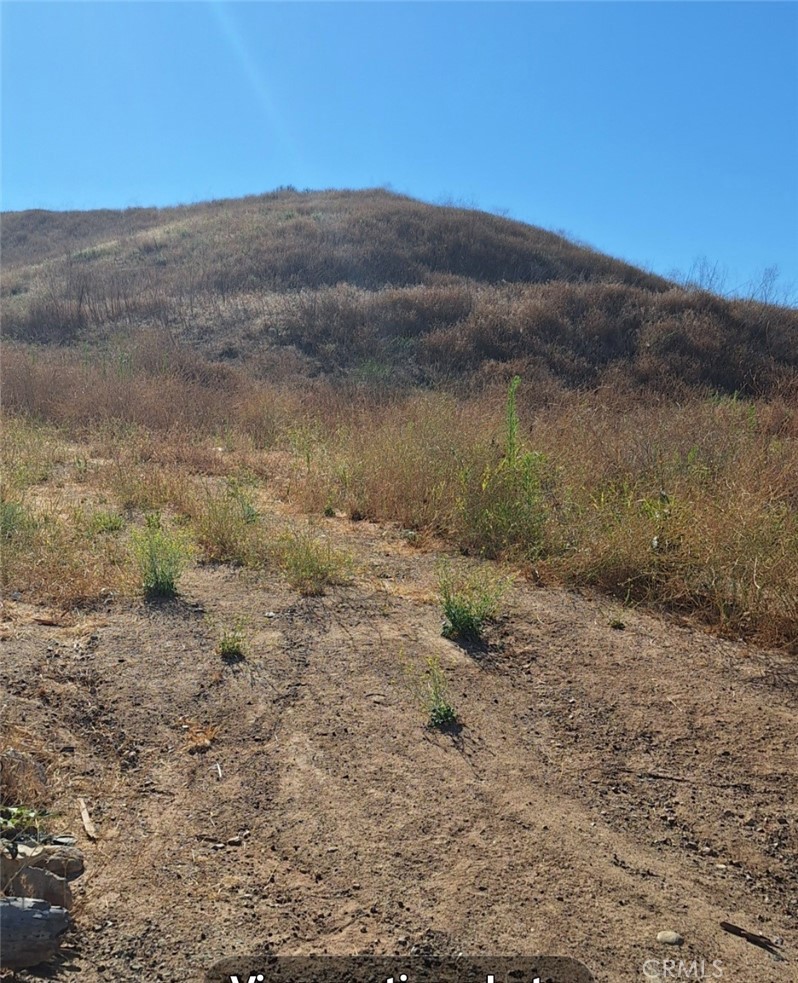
[657, 132]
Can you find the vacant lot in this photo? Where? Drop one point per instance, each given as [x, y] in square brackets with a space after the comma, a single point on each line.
[391, 579]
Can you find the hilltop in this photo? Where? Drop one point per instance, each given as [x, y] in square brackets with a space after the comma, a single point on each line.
[377, 285]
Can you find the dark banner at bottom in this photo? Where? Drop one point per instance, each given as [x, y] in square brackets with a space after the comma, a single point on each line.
[398, 969]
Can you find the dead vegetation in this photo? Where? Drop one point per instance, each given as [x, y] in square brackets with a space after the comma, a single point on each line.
[238, 437]
[691, 506]
[653, 450]
[372, 285]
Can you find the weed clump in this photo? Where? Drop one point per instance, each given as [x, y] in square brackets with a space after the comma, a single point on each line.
[231, 646]
[469, 599]
[224, 525]
[431, 692]
[501, 509]
[309, 563]
[105, 523]
[14, 520]
[161, 557]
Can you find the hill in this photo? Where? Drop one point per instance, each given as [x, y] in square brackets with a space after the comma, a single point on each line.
[382, 286]
[335, 662]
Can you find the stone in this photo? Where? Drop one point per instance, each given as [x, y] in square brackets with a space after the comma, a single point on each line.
[669, 938]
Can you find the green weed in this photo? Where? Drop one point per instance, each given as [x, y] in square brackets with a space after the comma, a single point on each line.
[104, 523]
[231, 644]
[502, 509]
[469, 599]
[161, 558]
[430, 690]
[15, 820]
[224, 524]
[310, 563]
[14, 519]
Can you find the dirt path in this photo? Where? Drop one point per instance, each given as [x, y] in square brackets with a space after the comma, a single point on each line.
[606, 784]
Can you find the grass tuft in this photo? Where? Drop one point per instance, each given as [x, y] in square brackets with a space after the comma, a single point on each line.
[469, 599]
[231, 645]
[161, 557]
[310, 563]
[431, 692]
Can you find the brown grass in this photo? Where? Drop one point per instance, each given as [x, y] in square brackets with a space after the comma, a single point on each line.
[24, 768]
[692, 506]
[371, 285]
[657, 446]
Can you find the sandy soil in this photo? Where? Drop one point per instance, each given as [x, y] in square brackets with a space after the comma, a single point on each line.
[605, 785]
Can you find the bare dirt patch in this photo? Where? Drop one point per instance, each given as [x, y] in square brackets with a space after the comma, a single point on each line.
[606, 784]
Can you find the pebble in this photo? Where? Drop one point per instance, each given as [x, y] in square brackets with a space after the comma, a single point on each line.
[670, 938]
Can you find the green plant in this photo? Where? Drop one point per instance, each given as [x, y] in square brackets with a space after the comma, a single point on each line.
[231, 645]
[15, 820]
[14, 519]
[225, 525]
[161, 557]
[502, 509]
[82, 468]
[310, 563]
[105, 522]
[431, 692]
[469, 599]
[238, 493]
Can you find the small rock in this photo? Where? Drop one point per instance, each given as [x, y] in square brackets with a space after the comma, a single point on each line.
[669, 938]
[234, 841]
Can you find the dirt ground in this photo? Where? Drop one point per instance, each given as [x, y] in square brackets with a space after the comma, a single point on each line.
[607, 784]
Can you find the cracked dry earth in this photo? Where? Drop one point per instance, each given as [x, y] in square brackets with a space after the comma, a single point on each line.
[606, 784]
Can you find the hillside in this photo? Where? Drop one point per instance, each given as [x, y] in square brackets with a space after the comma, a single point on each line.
[394, 579]
[380, 285]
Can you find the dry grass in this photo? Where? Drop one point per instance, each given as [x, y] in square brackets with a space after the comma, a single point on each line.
[692, 505]
[53, 557]
[24, 768]
[372, 285]
[309, 562]
[655, 446]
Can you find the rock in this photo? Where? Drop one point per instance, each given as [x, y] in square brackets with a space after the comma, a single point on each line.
[31, 931]
[61, 860]
[669, 938]
[41, 884]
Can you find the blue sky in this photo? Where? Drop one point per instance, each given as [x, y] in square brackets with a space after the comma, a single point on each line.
[657, 132]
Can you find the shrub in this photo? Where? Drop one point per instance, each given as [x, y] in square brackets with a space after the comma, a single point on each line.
[223, 524]
[310, 564]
